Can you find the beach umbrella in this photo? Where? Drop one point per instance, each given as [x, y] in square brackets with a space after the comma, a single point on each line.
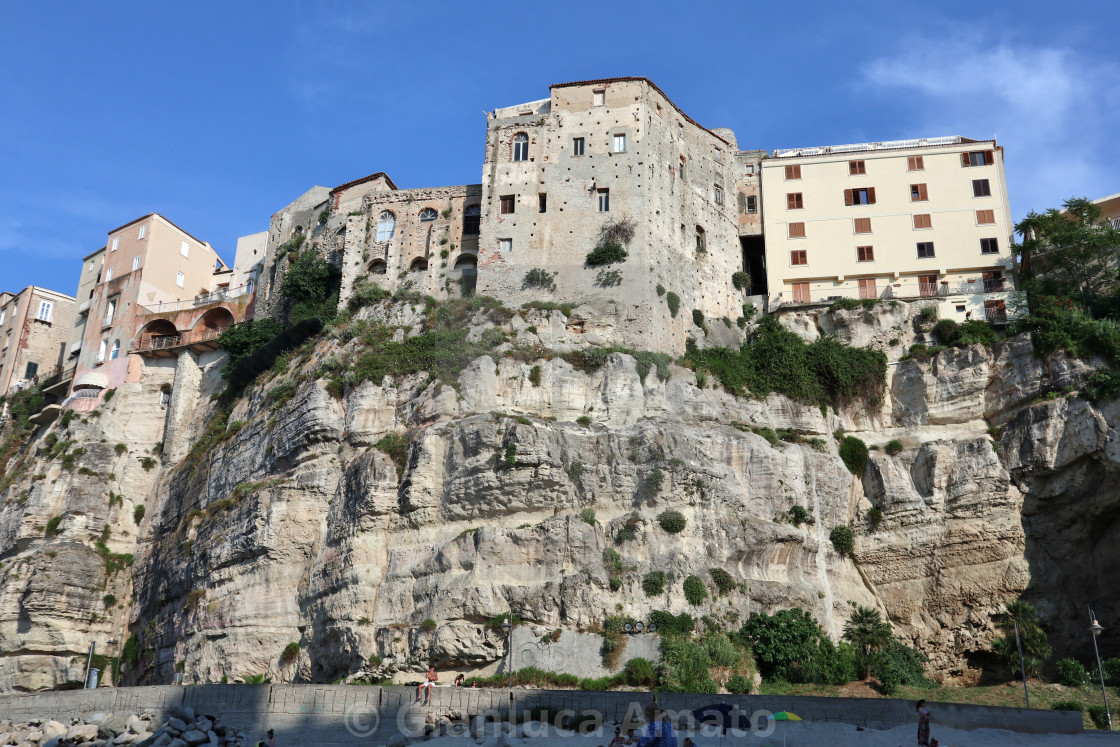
[785, 716]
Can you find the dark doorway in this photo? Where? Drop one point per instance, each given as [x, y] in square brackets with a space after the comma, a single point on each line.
[754, 262]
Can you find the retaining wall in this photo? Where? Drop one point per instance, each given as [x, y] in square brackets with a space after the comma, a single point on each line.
[322, 712]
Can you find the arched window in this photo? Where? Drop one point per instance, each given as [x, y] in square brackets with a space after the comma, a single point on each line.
[521, 147]
[427, 215]
[164, 396]
[378, 267]
[386, 225]
[419, 264]
[472, 216]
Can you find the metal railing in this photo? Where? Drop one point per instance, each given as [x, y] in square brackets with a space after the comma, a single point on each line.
[994, 315]
[166, 342]
[225, 294]
[900, 291]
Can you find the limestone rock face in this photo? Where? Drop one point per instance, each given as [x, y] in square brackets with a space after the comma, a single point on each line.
[382, 530]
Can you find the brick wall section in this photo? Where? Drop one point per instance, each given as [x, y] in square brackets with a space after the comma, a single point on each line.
[307, 708]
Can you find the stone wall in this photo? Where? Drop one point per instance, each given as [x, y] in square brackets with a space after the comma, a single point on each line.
[341, 714]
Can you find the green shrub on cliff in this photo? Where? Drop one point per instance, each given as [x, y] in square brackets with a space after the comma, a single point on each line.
[824, 372]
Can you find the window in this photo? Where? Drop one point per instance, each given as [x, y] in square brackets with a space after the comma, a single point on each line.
[978, 158]
[505, 245]
[386, 226]
[3, 315]
[542, 202]
[796, 230]
[985, 217]
[116, 243]
[164, 396]
[865, 254]
[927, 285]
[506, 204]
[793, 172]
[31, 370]
[752, 204]
[867, 289]
[108, 274]
[863, 225]
[993, 282]
[521, 147]
[995, 311]
[185, 249]
[110, 311]
[179, 279]
[472, 218]
[620, 143]
[859, 196]
[800, 292]
[918, 193]
[857, 167]
[143, 230]
[427, 215]
[604, 200]
[577, 146]
[749, 169]
[719, 195]
[102, 351]
[701, 240]
[981, 188]
[799, 257]
[794, 201]
[599, 98]
[989, 246]
[719, 155]
[135, 263]
[115, 351]
[923, 220]
[45, 310]
[915, 163]
[925, 249]
[682, 168]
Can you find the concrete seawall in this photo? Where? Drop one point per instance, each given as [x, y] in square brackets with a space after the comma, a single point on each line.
[348, 715]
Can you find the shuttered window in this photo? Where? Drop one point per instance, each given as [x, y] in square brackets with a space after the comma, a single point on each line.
[978, 158]
[793, 172]
[507, 204]
[918, 193]
[794, 201]
[925, 249]
[985, 217]
[981, 188]
[857, 167]
[799, 257]
[859, 196]
[923, 221]
[797, 230]
[867, 289]
[800, 292]
[915, 163]
[865, 253]
[863, 225]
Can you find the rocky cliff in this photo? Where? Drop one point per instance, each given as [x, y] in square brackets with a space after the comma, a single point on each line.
[397, 519]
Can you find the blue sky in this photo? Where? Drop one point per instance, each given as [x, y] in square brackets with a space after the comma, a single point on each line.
[218, 114]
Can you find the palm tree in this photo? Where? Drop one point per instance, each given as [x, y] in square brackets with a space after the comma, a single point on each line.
[1036, 649]
[869, 632]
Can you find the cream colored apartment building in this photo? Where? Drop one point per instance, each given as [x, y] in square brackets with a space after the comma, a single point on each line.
[907, 219]
[150, 266]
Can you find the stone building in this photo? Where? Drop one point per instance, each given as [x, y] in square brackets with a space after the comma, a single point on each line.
[34, 326]
[298, 218]
[909, 219]
[426, 238]
[593, 154]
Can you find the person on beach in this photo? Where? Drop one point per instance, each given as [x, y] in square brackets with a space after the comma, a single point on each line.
[618, 740]
[923, 724]
[658, 733]
[425, 687]
[459, 680]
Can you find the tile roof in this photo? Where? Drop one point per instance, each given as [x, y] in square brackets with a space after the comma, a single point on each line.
[363, 180]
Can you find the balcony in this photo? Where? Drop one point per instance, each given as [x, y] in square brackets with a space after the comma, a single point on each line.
[202, 299]
[169, 346]
[995, 315]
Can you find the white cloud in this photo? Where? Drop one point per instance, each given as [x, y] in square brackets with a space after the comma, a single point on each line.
[1051, 108]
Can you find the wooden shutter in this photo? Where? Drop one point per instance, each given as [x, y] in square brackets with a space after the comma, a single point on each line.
[922, 193]
[922, 221]
[964, 160]
[797, 230]
[985, 217]
[849, 197]
[793, 172]
[870, 195]
[989, 157]
[863, 225]
[790, 201]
